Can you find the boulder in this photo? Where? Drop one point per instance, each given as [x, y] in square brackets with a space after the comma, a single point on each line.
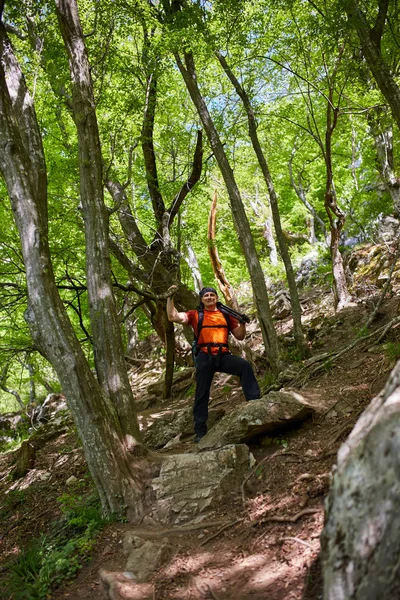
[145, 556]
[281, 306]
[190, 486]
[361, 538]
[273, 412]
[164, 426]
[122, 586]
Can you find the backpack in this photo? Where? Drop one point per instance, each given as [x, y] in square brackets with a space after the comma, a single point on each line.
[200, 318]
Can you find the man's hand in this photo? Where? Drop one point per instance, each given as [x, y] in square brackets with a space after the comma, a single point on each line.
[172, 313]
[172, 290]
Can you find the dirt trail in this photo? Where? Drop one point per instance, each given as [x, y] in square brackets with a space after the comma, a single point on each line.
[268, 543]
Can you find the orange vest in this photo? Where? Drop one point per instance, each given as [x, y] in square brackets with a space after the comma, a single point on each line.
[214, 330]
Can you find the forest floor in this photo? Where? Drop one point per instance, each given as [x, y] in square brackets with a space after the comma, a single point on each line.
[268, 543]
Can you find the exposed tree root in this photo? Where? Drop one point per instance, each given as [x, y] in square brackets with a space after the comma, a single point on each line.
[294, 519]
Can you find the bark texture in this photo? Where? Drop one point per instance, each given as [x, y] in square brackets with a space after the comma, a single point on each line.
[370, 39]
[243, 230]
[23, 167]
[108, 348]
[262, 161]
[361, 537]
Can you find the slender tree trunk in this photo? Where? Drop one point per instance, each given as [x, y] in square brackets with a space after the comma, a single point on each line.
[262, 161]
[259, 208]
[383, 137]
[22, 164]
[341, 293]
[188, 72]
[169, 355]
[370, 38]
[194, 267]
[224, 285]
[302, 195]
[108, 349]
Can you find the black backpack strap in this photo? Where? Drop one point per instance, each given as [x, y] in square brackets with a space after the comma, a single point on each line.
[227, 318]
[200, 319]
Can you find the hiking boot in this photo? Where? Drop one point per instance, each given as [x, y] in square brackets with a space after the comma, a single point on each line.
[198, 437]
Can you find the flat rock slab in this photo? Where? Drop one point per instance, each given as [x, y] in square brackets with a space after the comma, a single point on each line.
[273, 412]
[145, 556]
[164, 426]
[121, 586]
[190, 486]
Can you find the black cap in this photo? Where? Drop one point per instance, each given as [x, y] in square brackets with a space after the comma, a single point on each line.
[207, 289]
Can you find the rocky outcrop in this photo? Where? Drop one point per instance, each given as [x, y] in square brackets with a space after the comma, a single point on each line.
[190, 486]
[145, 556]
[122, 586]
[166, 425]
[361, 537]
[273, 412]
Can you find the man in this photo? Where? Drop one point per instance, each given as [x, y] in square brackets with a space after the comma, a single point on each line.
[212, 352]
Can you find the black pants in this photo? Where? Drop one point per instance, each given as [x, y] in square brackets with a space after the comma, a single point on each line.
[206, 367]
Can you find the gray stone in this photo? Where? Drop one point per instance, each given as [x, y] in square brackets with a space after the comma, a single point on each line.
[361, 538]
[120, 586]
[273, 412]
[190, 486]
[166, 425]
[281, 306]
[145, 556]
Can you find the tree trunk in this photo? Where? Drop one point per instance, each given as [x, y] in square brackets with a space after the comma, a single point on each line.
[267, 226]
[262, 161]
[370, 39]
[169, 356]
[301, 194]
[194, 267]
[188, 72]
[23, 167]
[224, 285]
[342, 297]
[108, 349]
[383, 137]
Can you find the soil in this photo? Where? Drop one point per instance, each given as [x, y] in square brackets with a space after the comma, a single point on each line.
[267, 545]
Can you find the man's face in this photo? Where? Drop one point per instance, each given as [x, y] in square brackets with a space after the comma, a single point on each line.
[209, 299]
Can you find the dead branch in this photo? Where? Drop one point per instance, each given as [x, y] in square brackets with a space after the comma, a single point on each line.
[218, 269]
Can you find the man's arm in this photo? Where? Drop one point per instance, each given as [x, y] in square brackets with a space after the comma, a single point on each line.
[240, 331]
[172, 314]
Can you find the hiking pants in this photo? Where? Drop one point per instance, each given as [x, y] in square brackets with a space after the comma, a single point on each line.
[206, 367]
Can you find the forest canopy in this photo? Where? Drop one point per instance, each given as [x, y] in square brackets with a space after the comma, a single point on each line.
[324, 123]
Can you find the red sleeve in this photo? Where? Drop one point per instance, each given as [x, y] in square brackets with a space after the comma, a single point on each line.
[192, 318]
[233, 323]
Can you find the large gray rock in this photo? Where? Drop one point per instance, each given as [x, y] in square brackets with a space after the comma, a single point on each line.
[145, 556]
[166, 425]
[272, 412]
[361, 537]
[122, 586]
[190, 486]
[281, 306]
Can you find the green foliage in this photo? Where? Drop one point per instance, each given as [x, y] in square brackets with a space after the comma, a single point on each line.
[57, 556]
[392, 350]
[291, 354]
[362, 332]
